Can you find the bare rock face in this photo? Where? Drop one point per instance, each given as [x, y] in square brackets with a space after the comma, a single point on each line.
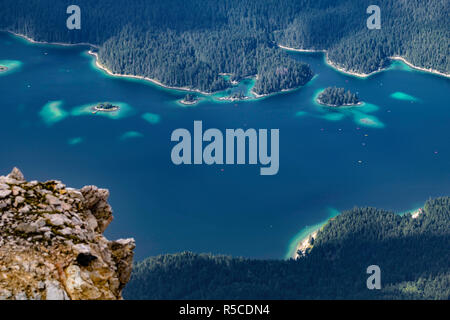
[52, 246]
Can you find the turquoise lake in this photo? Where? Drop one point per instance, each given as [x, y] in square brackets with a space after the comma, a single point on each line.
[393, 152]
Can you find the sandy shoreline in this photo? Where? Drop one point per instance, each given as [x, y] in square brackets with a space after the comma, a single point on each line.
[365, 75]
[304, 244]
[259, 96]
[340, 106]
[102, 67]
[409, 64]
[186, 89]
[51, 43]
[416, 213]
[154, 81]
[299, 50]
[330, 63]
[188, 103]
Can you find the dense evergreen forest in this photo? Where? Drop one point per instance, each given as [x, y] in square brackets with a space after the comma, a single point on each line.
[190, 98]
[189, 43]
[412, 253]
[336, 97]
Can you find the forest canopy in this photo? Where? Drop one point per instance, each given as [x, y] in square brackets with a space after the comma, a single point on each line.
[190, 43]
[412, 253]
[336, 97]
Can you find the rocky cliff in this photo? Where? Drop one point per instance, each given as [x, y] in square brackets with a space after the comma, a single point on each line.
[52, 246]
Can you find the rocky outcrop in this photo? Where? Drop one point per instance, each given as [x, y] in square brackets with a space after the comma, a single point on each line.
[305, 245]
[52, 246]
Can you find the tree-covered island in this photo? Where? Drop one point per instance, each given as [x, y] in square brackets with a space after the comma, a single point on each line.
[189, 99]
[338, 97]
[3, 68]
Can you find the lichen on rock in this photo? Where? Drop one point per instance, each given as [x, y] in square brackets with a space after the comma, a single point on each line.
[52, 246]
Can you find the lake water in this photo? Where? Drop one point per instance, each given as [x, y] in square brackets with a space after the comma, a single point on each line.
[392, 153]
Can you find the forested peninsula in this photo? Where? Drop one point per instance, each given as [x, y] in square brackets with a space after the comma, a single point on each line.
[411, 251]
[188, 44]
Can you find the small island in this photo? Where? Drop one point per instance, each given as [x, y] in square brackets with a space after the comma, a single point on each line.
[338, 97]
[189, 99]
[3, 68]
[105, 107]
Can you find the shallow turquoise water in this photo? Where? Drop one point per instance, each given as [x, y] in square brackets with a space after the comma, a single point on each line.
[392, 152]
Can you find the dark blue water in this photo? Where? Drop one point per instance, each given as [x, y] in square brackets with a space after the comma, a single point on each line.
[393, 153]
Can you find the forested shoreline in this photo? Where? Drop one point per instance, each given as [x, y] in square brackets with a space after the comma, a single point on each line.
[189, 44]
[412, 253]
